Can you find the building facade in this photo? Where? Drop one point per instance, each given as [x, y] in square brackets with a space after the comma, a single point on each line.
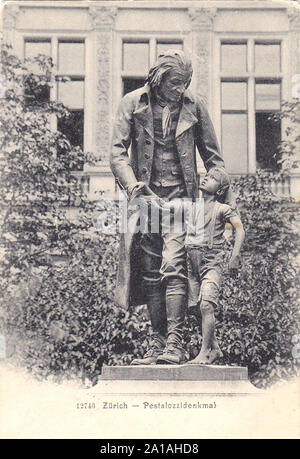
[246, 59]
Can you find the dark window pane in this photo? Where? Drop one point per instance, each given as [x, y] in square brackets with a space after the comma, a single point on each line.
[267, 96]
[71, 57]
[72, 127]
[130, 84]
[136, 58]
[234, 95]
[268, 136]
[235, 142]
[163, 46]
[233, 58]
[267, 58]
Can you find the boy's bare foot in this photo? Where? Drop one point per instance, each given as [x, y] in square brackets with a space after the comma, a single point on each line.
[214, 355]
[202, 358]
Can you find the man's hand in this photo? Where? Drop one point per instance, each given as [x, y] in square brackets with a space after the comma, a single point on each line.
[142, 191]
[135, 189]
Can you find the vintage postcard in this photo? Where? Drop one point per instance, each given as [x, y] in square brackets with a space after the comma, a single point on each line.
[150, 187]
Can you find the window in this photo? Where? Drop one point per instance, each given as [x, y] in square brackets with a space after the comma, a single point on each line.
[234, 57]
[71, 64]
[41, 93]
[250, 92]
[268, 129]
[135, 65]
[267, 58]
[162, 46]
[234, 124]
[33, 48]
[69, 58]
[136, 59]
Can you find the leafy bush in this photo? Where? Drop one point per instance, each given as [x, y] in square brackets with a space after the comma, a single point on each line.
[59, 315]
[68, 324]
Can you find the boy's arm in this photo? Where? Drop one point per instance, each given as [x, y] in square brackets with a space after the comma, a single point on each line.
[238, 240]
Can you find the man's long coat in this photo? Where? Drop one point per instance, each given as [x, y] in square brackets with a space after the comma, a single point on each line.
[134, 126]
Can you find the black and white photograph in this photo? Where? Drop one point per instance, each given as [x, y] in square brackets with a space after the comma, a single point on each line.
[150, 196]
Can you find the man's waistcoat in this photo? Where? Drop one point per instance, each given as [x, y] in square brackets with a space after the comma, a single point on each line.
[166, 167]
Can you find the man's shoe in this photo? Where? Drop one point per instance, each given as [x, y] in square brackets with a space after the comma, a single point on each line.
[172, 355]
[149, 358]
[154, 351]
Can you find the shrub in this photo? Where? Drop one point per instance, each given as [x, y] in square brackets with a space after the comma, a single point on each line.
[258, 314]
[67, 324]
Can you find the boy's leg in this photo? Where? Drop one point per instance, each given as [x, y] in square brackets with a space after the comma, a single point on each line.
[210, 349]
[209, 293]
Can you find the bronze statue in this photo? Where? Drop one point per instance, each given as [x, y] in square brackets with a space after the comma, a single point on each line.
[163, 123]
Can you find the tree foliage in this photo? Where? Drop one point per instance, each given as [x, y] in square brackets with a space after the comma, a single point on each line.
[287, 156]
[37, 182]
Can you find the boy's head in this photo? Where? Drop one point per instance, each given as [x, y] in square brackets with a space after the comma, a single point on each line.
[216, 181]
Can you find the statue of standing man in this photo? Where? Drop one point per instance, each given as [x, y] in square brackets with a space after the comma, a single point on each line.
[163, 123]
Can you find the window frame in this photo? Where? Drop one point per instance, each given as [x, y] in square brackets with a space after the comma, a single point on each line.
[250, 76]
[55, 38]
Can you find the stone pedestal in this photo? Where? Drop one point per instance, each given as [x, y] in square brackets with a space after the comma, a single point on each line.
[176, 379]
[176, 373]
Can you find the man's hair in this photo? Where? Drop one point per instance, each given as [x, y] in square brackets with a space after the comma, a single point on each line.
[221, 175]
[168, 60]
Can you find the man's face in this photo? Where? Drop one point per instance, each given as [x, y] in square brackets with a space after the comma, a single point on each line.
[173, 85]
[210, 183]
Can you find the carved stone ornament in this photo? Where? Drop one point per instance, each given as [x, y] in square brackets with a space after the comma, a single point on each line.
[294, 18]
[202, 18]
[10, 15]
[103, 102]
[202, 65]
[103, 20]
[103, 16]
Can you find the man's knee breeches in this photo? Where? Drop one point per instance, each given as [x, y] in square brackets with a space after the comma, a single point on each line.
[174, 257]
[151, 246]
[164, 259]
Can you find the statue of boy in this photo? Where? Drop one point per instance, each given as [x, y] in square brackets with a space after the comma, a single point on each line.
[205, 255]
[163, 123]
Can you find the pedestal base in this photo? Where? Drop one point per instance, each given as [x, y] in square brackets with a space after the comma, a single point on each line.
[176, 379]
[176, 372]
